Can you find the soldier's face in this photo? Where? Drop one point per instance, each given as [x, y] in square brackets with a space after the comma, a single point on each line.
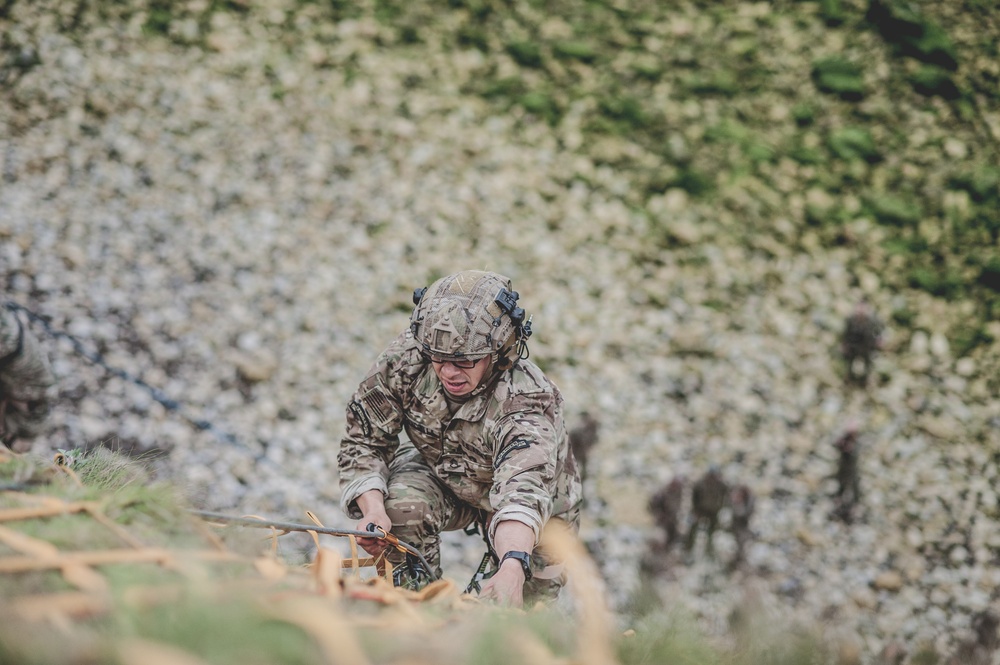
[460, 381]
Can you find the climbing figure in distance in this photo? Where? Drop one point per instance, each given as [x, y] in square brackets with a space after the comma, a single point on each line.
[860, 341]
[666, 506]
[708, 497]
[741, 508]
[848, 493]
[582, 439]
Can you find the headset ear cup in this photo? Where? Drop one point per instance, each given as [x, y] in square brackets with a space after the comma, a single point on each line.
[507, 354]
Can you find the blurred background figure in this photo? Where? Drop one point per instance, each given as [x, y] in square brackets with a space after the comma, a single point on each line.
[741, 505]
[893, 653]
[980, 648]
[985, 625]
[666, 507]
[26, 383]
[861, 340]
[582, 438]
[848, 493]
[708, 496]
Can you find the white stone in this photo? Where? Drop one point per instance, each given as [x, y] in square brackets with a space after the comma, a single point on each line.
[939, 345]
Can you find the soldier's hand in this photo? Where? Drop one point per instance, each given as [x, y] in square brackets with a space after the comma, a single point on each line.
[506, 587]
[372, 506]
[374, 545]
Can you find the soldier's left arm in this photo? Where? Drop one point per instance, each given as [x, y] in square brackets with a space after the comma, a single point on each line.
[528, 442]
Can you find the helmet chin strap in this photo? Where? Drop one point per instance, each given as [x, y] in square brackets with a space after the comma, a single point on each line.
[489, 380]
[501, 361]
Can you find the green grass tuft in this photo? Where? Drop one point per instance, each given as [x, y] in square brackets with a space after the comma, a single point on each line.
[836, 75]
[525, 53]
[931, 80]
[852, 143]
[894, 211]
[574, 50]
[942, 283]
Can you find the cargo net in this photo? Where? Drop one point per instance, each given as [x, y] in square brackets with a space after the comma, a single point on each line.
[97, 573]
[67, 562]
[80, 568]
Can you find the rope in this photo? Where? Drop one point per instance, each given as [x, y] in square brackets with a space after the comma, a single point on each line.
[291, 526]
[479, 526]
[170, 404]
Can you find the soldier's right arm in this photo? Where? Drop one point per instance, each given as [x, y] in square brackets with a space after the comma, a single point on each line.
[374, 420]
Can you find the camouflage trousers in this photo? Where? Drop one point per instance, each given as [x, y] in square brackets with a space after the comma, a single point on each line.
[26, 381]
[421, 508]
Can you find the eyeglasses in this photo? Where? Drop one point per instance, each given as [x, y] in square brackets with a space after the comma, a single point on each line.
[461, 364]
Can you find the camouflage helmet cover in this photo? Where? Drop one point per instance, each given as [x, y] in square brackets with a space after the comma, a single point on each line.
[468, 315]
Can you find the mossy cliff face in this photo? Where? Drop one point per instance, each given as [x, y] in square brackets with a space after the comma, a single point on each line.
[235, 200]
[887, 106]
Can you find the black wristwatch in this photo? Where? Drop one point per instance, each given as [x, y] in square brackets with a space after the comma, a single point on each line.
[525, 560]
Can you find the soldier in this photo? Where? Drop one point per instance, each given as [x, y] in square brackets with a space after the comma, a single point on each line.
[848, 493]
[985, 625]
[666, 506]
[979, 650]
[582, 438]
[26, 383]
[486, 438]
[893, 653]
[708, 497]
[741, 505]
[861, 339]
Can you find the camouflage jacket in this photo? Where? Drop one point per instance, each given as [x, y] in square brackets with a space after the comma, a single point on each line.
[504, 451]
[25, 378]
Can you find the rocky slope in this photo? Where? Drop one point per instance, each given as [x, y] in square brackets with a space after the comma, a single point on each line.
[234, 201]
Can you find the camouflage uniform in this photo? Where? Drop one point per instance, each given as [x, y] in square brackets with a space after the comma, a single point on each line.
[26, 381]
[501, 454]
[861, 339]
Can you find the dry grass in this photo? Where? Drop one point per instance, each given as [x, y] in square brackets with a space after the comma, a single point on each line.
[99, 565]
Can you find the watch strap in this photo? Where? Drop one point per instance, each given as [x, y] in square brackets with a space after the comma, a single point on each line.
[522, 557]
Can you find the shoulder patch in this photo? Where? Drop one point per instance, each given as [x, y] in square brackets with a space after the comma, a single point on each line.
[516, 444]
[361, 416]
[379, 407]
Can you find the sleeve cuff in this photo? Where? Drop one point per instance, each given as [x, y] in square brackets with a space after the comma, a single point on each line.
[520, 514]
[356, 488]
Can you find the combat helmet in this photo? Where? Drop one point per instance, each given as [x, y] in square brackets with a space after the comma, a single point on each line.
[470, 315]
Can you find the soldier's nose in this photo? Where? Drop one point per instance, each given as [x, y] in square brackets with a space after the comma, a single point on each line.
[450, 370]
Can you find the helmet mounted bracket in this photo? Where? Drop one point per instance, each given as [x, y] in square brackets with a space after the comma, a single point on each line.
[507, 300]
